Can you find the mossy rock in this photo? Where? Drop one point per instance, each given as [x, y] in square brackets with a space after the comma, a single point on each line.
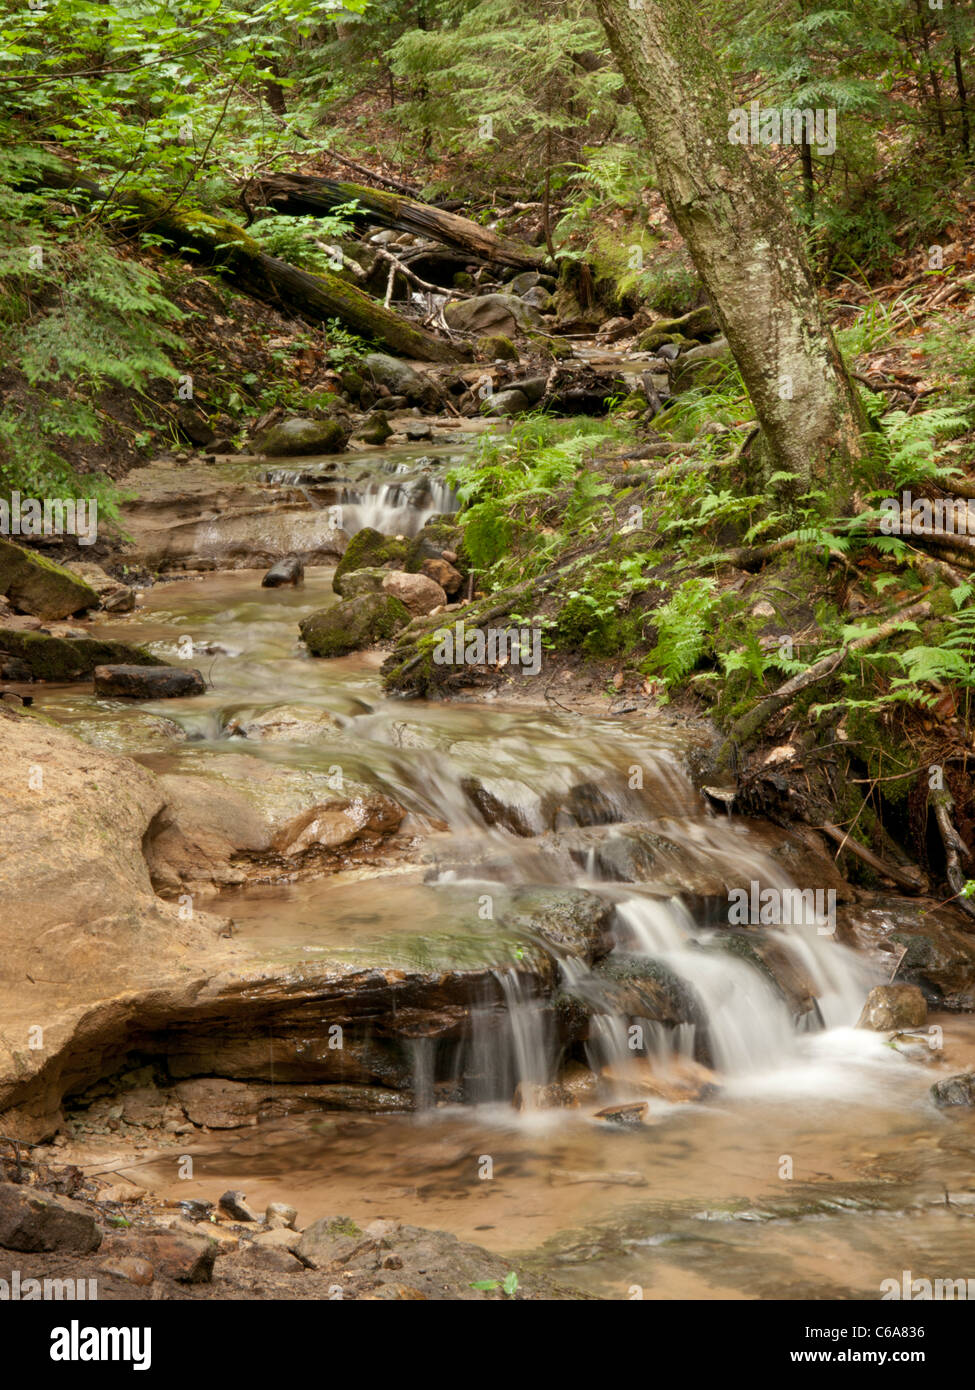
[37, 585]
[558, 349]
[429, 543]
[655, 338]
[496, 347]
[369, 549]
[376, 430]
[70, 658]
[363, 581]
[356, 623]
[300, 438]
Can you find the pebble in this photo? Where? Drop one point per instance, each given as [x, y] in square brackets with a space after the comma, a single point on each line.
[130, 1267]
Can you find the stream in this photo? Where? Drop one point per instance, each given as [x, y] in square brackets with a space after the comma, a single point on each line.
[753, 1144]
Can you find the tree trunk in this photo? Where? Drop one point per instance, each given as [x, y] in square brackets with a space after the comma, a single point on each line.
[317, 298]
[732, 213]
[301, 195]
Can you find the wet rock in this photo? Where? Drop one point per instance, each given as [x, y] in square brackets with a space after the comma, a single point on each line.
[280, 1216]
[506, 314]
[290, 570]
[32, 1221]
[113, 595]
[579, 1084]
[572, 919]
[533, 1096]
[624, 1114]
[891, 1007]
[504, 403]
[679, 1082]
[922, 939]
[417, 592]
[70, 659]
[148, 682]
[497, 348]
[539, 298]
[234, 1205]
[444, 574]
[354, 624]
[300, 438]
[368, 549]
[955, 1090]
[277, 1062]
[239, 815]
[13, 669]
[285, 723]
[36, 585]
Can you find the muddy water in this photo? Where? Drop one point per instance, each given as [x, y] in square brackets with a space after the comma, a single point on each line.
[818, 1166]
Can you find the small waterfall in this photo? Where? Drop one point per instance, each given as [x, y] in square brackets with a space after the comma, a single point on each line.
[508, 1047]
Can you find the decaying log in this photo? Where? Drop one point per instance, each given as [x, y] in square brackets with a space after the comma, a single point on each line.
[317, 298]
[302, 195]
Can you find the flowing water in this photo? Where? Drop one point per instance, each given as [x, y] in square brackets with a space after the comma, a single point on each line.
[775, 1150]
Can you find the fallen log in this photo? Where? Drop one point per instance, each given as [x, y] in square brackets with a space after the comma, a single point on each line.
[303, 195]
[317, 297]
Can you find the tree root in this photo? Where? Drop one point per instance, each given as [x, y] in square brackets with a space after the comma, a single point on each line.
[749, 724]
[955, 847]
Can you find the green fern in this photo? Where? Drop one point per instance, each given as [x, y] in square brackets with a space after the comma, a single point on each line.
[683, 625]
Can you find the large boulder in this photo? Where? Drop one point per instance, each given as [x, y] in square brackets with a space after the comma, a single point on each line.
[369, 549]
[356, 623]
[147, 682]
[70, 658]
[85, 943]
[287, 572]
[33, 1221]
[36, 585]
[416, 592]
[400, 379]
[235, 816]
[300, 438]
[506, 314]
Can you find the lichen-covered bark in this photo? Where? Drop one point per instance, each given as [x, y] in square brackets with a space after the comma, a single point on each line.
[732, 213]
[219, 242]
